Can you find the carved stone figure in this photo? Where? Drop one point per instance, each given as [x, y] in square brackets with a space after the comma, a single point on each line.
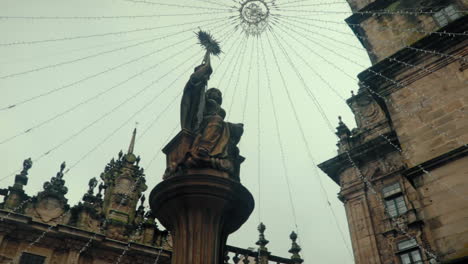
[213, 141]
[193, 98]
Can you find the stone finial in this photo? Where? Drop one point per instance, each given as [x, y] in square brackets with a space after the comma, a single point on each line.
[55, 188]
[131, 147]
[295, 249]
[91, 185]
[21, 179]
[27, 164]
[342, 130]
[226, 257]
[262, 242]
[100, 188]
[56, 185]
[15, 195]
[236, 258]
[89, 196]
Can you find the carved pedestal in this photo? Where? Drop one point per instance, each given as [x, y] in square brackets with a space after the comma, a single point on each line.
[201, 209]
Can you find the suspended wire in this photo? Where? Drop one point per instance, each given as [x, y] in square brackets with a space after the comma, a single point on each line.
[229, 34]
[233, 55]
[278, 133]
[180, 6]
[259, 134]
[299, 1]
[101, 118]
[239, 49]
[105, 34]
[247, 85]
[151, 101]
[373, 12]
[399, 45]
[87, 100]
[392, 43]
[17, 171]
[215, 2]
[359, 64]
[105, 221]
[299, 124]
[159, 252]
[89, 77]
[378, 27]
[312, 69]
[159, 115]
[371, 188]
[69, 51]
[159, 150]
[105, 17]
[286, 5]
[96, 74]
[377, 73]
[324, 116]
[385, 99]
[113, 110]
[241, 59]
[102, 53]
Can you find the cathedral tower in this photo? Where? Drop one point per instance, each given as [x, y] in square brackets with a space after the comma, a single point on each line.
[402, 170]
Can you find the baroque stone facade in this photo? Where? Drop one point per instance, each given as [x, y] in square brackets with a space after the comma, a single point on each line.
[109, 225]
[403, 169]
[106, 226]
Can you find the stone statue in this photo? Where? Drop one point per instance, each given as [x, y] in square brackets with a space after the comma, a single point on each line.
[215, 141]
[193, 98]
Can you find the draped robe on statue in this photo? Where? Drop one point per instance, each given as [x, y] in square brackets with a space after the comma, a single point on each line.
[202, 115]
[193, 100]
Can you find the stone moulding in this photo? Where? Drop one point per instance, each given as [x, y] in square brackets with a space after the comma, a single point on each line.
[370, 150]
[412, 173]
[391, 68]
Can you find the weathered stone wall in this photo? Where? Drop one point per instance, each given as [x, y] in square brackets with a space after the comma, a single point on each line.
[383, 35]
[429, 115]
[388, 34]
[426, 102]
[444, 208]
[359, 4]
[60, 251]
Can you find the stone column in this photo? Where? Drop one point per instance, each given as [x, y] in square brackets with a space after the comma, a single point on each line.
[74, 248]
[201, 209]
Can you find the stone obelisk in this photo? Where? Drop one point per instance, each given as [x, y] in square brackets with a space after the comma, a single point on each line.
[201, 200]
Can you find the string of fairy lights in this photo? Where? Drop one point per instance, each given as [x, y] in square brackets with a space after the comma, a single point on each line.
[256, 35]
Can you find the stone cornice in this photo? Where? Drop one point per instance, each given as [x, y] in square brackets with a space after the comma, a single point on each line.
[365, 152]
[64, 232]
[392, 66]
[438, 161]
[357, 18]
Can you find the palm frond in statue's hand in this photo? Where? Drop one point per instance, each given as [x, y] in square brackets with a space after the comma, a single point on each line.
[208, 42]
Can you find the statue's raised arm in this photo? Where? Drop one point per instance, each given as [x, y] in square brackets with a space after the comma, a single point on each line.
[207, 140]
[193, 98]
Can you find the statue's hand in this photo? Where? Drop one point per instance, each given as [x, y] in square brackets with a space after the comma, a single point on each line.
[202, 72]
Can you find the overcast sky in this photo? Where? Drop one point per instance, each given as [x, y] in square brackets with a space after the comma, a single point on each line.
[161, 53]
